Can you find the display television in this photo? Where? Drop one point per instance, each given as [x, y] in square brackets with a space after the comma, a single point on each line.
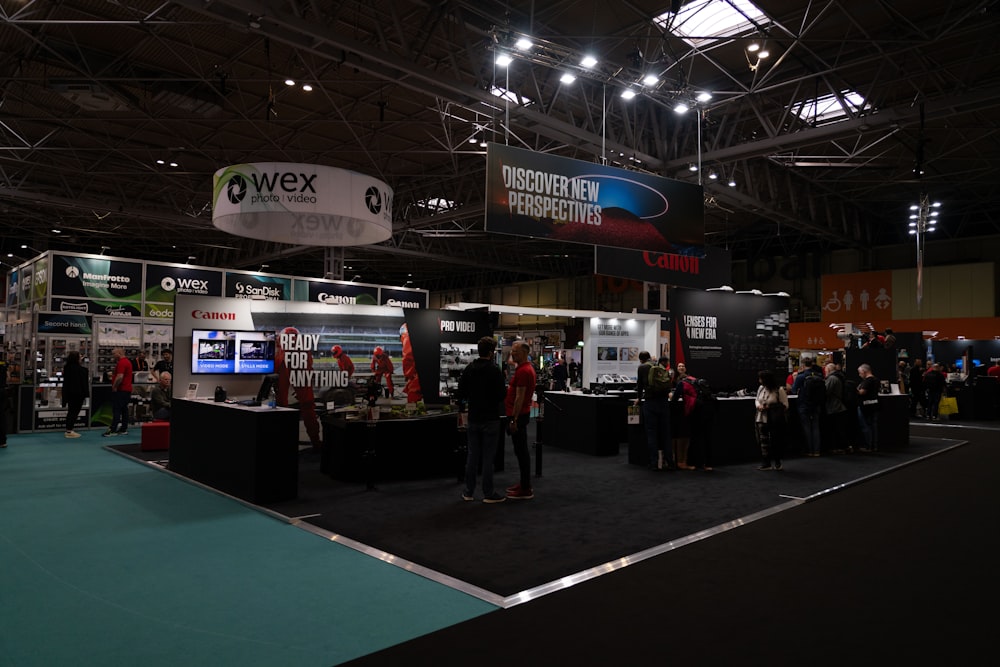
[221, 352]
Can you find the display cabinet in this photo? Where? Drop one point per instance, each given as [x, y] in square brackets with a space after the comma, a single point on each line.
[46, 404]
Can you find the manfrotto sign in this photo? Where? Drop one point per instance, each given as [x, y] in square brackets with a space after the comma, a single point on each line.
[301, 203]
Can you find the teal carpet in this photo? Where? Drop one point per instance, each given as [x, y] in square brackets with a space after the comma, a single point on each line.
[104, 561]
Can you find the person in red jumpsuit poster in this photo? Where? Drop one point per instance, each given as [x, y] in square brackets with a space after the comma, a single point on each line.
[382, 365]
[343, 361]
[304, 395]
[412, 388]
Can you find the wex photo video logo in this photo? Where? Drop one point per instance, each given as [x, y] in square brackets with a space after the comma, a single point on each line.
[72, 272]
[373, 200]
[236, 189]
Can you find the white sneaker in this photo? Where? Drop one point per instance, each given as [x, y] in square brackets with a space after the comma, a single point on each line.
[72, 434]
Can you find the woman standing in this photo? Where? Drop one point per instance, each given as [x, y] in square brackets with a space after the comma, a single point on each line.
[75, 389]
[679, 422]
[772, 404]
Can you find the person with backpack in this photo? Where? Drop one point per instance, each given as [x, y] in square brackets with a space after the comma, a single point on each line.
[680, 428]
[699, 404]
[834, 423]
[810, 391]
[653, 386]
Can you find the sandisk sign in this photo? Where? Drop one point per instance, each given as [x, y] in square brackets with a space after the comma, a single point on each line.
[302, 204]
[202, 315]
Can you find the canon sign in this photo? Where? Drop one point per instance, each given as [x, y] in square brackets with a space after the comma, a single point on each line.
[206, 315]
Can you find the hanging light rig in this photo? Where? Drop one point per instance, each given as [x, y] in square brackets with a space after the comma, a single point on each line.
[923, 219]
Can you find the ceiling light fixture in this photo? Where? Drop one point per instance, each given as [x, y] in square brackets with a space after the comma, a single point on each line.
[289, 82]
[712, 175]
[925, 222]
[567, 78]
[692, 167]
[504, 59]
[704, 96]
[681, 108]
[190, 257]
[628, 94]
[650, 80]
[523, 44]
[588, 61]
[307, 87]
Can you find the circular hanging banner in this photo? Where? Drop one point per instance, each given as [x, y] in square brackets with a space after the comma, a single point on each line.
[303, 204]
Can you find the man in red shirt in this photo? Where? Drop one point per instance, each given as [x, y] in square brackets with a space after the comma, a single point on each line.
[121, 393]
[994, 370]
[517, 407]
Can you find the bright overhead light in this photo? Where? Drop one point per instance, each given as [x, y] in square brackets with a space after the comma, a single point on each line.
[504, 59]
[628, 94]
[482, 143]
[306, 87]
[473, 140]
[289, 82]
[753, 47]
[764, 54]
[650, 80]
[524, 44]
[160, 162]
[732, 183]
[567, 78]
[681, 108]
[692, 167]
[173, 164]
[588, 61]
[712, 175]
[704, 97]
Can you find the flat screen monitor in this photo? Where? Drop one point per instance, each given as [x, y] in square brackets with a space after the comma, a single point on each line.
[269, 381]
[222, 352]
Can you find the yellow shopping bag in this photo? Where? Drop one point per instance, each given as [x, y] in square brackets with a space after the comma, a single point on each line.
[948, 406]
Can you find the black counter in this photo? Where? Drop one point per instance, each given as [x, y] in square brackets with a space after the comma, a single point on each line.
[734, 439]
[357, 450]
[248, 452]
[589, 423]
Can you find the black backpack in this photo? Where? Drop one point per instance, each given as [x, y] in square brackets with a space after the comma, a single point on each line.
[813, 391]
[703, 396]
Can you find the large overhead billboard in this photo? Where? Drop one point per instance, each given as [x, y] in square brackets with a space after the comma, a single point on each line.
[545, 196]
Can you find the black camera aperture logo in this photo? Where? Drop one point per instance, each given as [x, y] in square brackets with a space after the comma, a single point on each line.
[236, 189]
[373, 200]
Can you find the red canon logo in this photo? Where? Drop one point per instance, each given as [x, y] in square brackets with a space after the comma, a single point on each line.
[681, 263]
[202, 315]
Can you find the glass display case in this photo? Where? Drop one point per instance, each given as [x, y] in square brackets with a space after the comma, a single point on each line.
[48, 412]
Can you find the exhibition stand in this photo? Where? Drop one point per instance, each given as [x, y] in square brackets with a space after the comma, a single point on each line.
[248, 452]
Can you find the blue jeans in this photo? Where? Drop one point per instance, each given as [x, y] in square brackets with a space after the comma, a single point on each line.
[869, 428]
[483, 438]
[656, 415]
[119, 410]
[810, 427]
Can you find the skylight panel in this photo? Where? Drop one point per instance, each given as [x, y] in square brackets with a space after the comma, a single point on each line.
[827, 108]
[511, 96]
[703, 21]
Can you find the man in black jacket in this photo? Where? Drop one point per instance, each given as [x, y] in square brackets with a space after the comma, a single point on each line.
[481, 389]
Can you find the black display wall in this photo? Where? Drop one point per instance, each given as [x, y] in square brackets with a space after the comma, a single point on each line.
[727, 338]
[431, 331]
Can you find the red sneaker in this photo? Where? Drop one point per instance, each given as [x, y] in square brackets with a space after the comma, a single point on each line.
[514, 489]
[520, 494]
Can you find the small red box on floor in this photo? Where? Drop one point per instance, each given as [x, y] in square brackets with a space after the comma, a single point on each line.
[155, 436]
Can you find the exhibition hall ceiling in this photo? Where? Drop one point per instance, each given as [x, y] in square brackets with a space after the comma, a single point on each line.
[114, 116]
